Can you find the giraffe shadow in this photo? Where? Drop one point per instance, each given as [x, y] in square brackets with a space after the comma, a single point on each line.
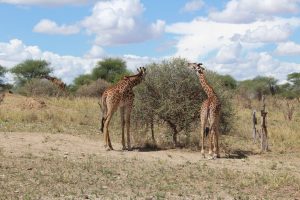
[148, 148]
[239, 154]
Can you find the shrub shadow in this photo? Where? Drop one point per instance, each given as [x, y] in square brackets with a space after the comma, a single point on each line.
[239, 154]
[148, 148]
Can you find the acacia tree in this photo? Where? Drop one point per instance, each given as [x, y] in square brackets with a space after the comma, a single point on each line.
[30, 69]
[2, 72]
[257, 87]
[171, 94]
[291, 90]
[110, 69]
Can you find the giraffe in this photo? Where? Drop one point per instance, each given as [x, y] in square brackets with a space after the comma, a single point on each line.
[119, 95]
[61, 85]
[209, 113]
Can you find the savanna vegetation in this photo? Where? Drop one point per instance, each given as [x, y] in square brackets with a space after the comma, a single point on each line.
[50, 146]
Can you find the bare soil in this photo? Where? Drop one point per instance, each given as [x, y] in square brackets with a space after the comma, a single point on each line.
[64, 166]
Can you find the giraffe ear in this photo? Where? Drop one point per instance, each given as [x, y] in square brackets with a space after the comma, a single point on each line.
[199, 64]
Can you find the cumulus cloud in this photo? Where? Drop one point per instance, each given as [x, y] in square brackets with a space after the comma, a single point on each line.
[50, 27]
[112, 22]
[255, 64]
[65, 67]
[193, 5]
[247, 11]
[120, 22]
[229, 53]
[46, 2]
[95, 52]
[288, 48]
[202, 36]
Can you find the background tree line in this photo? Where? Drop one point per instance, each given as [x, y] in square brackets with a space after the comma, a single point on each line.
[108, 71]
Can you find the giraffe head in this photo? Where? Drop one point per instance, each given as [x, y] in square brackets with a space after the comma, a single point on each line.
[198, 67]
[137, 78]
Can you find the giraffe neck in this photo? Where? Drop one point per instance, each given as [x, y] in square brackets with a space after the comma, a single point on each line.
[126, 85]
[206, 87]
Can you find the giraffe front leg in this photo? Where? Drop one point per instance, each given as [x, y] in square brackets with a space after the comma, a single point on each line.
[122, 114]
[203, 123]
[128, 112]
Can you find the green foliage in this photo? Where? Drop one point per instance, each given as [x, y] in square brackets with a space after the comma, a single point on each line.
[228, 81]
[257, 87]
[94, 89]
[294, 78]
[81, 80]
[30, 69]
[171, 94]
[39, 87]
[2, 73]
[110, 69]
[291, 90]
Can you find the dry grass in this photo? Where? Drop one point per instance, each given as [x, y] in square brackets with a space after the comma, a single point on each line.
[34, 166]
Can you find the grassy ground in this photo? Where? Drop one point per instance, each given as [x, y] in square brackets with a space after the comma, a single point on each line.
[51, 149]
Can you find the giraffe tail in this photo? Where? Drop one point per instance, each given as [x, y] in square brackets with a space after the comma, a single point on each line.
[206, 131]
[103, 113]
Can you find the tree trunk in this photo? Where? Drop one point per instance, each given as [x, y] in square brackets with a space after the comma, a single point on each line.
[152, 131]
[175, 132]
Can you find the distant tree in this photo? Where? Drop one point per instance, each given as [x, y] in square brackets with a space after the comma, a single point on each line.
[81, 80]
[93, 89]
[228, 81]
[294, 78]
[110, 69]
[291, 90]
[257, 87]
[30, 69]
[2, 73]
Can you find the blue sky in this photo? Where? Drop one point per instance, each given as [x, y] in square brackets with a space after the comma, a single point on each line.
[243, 38]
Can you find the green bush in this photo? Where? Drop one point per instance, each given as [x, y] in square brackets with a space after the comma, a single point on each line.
[171, 95]
[40, 87]
[94, 89]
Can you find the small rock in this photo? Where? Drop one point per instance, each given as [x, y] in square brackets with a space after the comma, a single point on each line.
[104, 187]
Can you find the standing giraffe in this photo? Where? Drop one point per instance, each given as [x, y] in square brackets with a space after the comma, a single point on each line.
[61, 85]
[119, 95]
[209, 113]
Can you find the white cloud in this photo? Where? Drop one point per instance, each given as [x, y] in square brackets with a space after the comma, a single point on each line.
[46, 2]
[119, 22]
[65, 67]
[255, 64]
[246, 11]
[193, 5]
[198, 38]
[112, 22]
[288, 48]
[268, 34]
[229, 53]
[50, 27]
[95, 52]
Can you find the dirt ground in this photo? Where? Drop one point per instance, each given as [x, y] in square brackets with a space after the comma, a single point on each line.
[64, 166]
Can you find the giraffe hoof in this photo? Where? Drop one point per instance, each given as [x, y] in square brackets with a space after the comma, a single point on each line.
[123, 148]
[211, 157]
[217, 156]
